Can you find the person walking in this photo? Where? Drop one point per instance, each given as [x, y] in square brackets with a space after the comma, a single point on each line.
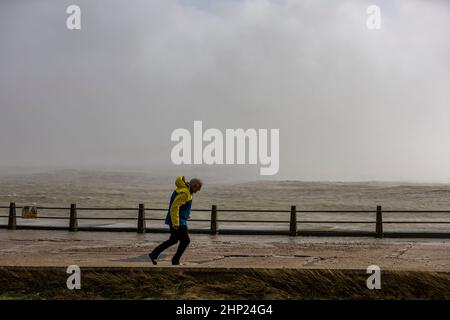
[177, 217]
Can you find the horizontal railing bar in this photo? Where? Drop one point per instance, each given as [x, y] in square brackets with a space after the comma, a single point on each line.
[227, 220]
[165, 209]
[329, 221]
[44, 217]
[106, 209]
[416, 211]
[262, 221]
[255, 221]
[105, 218]
[252, 210]
[335, 211]
[424, 222]
[163, 219]
[235, 210]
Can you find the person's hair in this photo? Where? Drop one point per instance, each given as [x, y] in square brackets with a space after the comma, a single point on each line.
[196, 181]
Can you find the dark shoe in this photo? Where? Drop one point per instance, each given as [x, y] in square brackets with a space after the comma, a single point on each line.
[153, 259]
[175, 263]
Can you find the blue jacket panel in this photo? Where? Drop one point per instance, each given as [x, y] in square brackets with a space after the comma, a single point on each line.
[184, 211]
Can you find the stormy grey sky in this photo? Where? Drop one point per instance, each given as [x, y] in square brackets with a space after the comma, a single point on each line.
[350, 103]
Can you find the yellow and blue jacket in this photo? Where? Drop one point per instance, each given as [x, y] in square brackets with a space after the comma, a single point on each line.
[180, 204]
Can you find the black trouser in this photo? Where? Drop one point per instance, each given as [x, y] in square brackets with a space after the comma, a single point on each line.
[180, 234]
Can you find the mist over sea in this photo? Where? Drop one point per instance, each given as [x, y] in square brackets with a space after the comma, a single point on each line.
[128, 188]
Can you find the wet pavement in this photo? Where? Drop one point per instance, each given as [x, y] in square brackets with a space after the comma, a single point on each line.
[128, 249]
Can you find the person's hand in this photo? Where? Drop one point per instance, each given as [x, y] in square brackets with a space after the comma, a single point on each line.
[175, 227]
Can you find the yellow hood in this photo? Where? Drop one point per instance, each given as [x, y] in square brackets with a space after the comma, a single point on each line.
[182, 186]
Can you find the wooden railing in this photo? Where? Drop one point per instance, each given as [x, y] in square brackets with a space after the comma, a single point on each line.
[214, 221]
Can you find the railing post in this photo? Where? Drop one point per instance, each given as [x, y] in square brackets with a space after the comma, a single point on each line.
[73, 225]
[214, 229]
[293, 222]
[12, 221]
[379, 223]
[141, 219]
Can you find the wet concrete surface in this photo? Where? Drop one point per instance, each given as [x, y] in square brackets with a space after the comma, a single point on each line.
[128, 249]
